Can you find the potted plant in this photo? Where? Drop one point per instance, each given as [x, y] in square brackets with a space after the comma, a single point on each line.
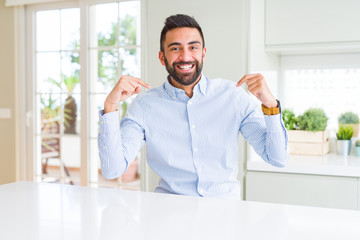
[313, 120]
[350, 118]
[291, 122]
[344, 136]
[357, 148]
[310, 136]
[70, 108]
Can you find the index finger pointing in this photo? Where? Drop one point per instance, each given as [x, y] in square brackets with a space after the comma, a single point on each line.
[142, 83]
[244, 79]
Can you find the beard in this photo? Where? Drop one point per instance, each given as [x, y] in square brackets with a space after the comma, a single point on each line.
[184, 78]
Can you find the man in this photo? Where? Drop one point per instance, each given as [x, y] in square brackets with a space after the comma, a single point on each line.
[191, 123]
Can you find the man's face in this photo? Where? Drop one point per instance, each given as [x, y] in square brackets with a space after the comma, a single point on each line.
[183, 55]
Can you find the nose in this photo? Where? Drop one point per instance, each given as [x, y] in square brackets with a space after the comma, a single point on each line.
[185, 55]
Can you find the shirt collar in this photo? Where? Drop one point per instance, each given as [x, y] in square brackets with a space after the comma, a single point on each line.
[175, 92]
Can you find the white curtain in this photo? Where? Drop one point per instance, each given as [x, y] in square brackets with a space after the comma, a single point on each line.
[10, 3]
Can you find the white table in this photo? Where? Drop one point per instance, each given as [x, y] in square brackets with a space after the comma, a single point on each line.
[53, 211]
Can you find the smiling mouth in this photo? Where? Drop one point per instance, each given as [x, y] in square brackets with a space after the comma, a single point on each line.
[185, 67]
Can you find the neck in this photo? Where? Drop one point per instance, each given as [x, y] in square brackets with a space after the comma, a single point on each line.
[187, 88]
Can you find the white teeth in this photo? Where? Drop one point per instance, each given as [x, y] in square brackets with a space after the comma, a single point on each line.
[185, 67]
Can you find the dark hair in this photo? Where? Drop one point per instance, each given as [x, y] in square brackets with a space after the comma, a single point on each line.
[178, 21]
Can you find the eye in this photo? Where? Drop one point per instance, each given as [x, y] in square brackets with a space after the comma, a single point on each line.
[175, 49]
[194, 47]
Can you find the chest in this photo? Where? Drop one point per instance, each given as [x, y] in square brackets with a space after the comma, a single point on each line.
[212, 119]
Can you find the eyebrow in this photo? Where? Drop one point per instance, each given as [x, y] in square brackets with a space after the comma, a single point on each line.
[177, 43]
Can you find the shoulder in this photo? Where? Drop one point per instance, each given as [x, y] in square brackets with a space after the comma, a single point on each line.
[151, 93]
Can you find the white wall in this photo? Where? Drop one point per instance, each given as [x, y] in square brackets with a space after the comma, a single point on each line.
[222, 25]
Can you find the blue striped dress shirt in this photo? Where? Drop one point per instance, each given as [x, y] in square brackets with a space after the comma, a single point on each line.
[191, 143]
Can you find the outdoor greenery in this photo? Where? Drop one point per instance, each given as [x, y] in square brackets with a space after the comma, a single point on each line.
[345, 132]
[313, 119]
[49, 110]
[123, 33]
[290, 120]
[348, 118]
[107, 73]
[357, 143]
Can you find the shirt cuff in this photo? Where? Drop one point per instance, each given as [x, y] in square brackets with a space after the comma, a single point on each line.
[109, 121]
[273, 122]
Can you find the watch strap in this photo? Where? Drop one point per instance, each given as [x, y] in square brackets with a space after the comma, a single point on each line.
[271, 111]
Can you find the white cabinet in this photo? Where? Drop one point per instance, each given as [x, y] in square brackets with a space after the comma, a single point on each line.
[302, 189]
[312, 25]
[358, 203]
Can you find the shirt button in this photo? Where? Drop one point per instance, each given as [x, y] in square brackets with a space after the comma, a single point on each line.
[193, 126]
[102, 122]
[190, 102]
[173, 98]
[104, 147]
[107, 122]
[195, 149]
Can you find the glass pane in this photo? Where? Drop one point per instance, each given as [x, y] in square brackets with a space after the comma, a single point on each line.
[130, 62]
[48, 30]
[129, 23]
[72, 113]
[49, 159]
[108, 73]
[71, 158]
[70, 67]
[106, 16]
[317, 88]
[48, 73]
[50, 113]
[70, 28]
[94, 162]
[96, 104]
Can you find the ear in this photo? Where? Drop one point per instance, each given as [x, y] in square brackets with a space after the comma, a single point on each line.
[204, 53]
[161, 58]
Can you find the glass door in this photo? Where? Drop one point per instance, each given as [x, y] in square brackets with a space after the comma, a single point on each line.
[77, 52]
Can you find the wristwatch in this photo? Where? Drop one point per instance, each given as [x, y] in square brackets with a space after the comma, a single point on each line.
[271, 111]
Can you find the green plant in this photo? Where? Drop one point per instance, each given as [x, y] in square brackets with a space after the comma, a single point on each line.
[345, 132]
[291, 122]
[124, 107]
[313, 119]
[348, 118]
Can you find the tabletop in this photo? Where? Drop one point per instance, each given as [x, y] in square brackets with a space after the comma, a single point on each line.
[54, 211]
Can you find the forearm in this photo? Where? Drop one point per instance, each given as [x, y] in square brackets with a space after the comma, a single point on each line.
[275, 152]
[268, 137]
[113, 162]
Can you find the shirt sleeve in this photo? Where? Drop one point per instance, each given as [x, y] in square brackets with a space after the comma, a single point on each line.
[266, 134]
[119, 143]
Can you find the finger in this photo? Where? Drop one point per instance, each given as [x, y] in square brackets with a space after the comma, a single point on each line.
[137, 89]
[139, 81]
[252, 87]
[128, 88]
[256, 79]
[245, 78]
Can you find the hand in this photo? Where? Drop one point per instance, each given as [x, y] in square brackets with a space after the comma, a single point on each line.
[125, 88]
[258, 87]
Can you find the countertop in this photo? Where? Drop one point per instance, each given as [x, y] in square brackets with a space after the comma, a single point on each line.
[54, 211]
[330, 164]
